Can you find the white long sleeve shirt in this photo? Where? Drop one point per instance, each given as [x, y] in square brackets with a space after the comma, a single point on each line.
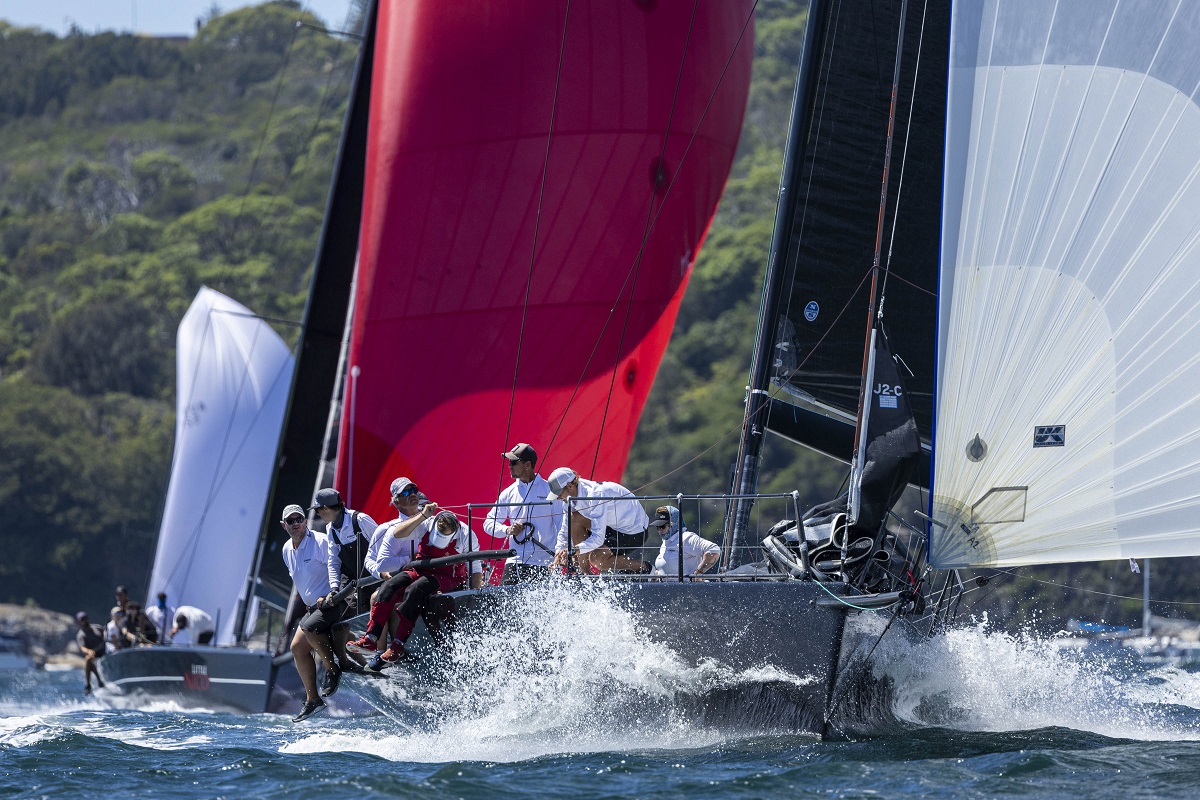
[308, 566]
[541, 522]
[387, 553]
[343, 534]
[695, 547]
[623, 516]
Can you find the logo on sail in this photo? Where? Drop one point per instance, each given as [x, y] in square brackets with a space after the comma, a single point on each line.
[1049, 435]
[811, 310]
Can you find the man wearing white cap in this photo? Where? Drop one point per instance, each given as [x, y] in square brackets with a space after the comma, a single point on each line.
[306, 555]
[602, 525]
[532, 528]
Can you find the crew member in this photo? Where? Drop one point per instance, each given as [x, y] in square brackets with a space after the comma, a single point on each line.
[532, 529]
[91, 644]
[349, 533]
[306, 555]
[195, 624]
[602, 527]
[698, 553]
[439, 534]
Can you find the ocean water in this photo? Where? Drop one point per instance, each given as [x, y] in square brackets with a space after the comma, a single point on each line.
[978, 714]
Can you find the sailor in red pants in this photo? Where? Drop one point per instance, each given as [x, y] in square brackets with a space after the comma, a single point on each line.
[439, 534]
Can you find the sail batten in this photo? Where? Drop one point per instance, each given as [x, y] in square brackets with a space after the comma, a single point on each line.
[1070, 271]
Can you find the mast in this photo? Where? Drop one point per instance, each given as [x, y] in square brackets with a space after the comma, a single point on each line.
[754, 423]
[875, 302]
[325, 312]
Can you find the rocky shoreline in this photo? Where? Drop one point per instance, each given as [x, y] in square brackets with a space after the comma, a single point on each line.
[49, 636]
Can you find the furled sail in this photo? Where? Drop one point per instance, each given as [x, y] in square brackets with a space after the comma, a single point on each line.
[540, 176]
[1068, 423]
[889, 449]
[233, 377]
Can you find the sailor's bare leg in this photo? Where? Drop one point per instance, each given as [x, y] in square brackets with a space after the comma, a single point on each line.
[341, 635]
[320, 644]
[302, 654]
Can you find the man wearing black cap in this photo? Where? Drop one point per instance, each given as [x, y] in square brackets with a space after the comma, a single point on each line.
[91, 644]
[682, 551]
[349, 533]
[531, 528]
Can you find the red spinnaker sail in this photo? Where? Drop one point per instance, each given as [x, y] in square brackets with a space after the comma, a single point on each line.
[466, 188]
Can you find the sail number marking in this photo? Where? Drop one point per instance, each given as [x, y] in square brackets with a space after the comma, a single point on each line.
[889, 395]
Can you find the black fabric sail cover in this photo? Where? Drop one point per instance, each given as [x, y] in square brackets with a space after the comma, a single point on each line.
[893, 448]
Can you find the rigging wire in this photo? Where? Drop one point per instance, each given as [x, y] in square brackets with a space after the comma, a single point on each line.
[650, 216]
[887, 267]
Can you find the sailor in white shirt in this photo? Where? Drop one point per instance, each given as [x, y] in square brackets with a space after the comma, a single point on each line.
[387, 555]
[602, 525]
[349, 533]
[306, 555]
[531, 529]
[192, 626]
[699, 554]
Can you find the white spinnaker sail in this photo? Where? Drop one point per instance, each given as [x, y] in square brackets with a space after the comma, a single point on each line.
[234, 373]
[1068, 397]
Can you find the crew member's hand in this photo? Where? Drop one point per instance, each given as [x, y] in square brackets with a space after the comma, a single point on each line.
[560, 558]
[430, 510]
[515, 529]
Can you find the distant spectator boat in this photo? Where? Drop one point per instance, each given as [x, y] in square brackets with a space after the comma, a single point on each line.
[234, 373]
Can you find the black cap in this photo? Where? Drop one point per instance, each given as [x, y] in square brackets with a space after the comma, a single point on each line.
[662, 517]
[330, 498]
[522, 452]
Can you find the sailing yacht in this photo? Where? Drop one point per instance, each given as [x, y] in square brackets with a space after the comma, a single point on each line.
[981, 284]
[233, 371]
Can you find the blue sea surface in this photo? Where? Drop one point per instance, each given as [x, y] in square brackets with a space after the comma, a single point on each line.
[977, 714]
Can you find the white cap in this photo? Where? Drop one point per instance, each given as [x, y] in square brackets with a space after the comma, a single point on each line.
[292, 509]
[559, 479]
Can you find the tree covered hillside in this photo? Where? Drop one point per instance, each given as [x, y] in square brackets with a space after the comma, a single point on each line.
[134, 170]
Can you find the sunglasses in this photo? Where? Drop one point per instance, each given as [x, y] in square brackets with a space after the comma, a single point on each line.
[295, 520]
[409, 492]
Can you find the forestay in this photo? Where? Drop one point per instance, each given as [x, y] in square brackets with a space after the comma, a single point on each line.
[234, 373]
[1068, 397]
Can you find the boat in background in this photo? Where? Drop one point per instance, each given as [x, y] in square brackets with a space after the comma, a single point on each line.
[233, 372]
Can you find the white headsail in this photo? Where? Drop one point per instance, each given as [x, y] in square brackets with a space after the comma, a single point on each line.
[234, 373]
[1068, 396]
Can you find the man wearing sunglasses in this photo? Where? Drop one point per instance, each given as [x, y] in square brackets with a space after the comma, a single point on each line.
[388, 554]
[531, 528]
[306, 555]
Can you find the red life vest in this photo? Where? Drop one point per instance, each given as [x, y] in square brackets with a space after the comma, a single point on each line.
[450, 576]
